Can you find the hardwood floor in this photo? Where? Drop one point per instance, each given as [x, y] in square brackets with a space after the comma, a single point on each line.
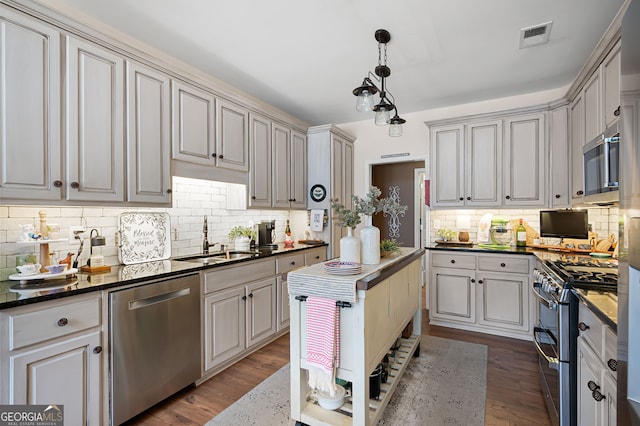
[513, 390]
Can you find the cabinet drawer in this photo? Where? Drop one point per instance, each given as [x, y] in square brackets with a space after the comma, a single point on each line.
[511, 264]
[311, 257]
[44, 324]
[593, 328]
[285, 264]
[238, 274]
[453, 260]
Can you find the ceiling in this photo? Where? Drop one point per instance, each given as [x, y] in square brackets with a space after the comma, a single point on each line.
[306, 56]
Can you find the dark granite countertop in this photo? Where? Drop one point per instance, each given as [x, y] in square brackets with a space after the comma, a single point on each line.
[476, 248]
[13, 293]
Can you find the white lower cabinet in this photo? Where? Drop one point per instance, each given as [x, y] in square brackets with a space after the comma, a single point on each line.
[481, 292]
[53, 355]
[597, 376]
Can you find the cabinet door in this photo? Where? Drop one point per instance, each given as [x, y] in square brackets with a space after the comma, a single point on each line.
[611, 86]
[224, 328]
[577, 142]
[148, 127]
[560, 155]
[261, 310]
[524, 161]
[337, 189]
[95, 109]
[347, 173]
[589, 410]
[593, 122]
[281, 147]
[283, 302]
[298, 170]
[447, 166]
[260, 160]
[232, 142]
[30, 163]
[193, 124]
[483, 160]
[453, 295]
[610, 392]
[503, 301]
[66, 373]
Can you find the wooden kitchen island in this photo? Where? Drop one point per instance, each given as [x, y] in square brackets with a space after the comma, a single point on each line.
[376, 307]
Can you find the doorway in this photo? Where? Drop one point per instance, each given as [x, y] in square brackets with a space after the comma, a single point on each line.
[400, 181]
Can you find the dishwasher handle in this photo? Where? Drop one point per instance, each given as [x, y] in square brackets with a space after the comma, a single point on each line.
[141, 303]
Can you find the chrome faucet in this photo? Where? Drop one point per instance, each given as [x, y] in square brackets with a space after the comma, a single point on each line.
[205, 242]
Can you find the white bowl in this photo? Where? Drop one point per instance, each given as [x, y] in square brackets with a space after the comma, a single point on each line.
[332, 402]
[56, 269]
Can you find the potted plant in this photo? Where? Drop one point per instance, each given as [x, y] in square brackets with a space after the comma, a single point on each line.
[446, 234]
[388, 247]
[242, 236]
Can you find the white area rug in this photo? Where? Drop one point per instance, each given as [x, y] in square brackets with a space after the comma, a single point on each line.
[445, 385]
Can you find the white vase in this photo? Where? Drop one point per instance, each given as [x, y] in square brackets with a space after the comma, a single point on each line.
[242, 243]
[349, 248]
[370, 238]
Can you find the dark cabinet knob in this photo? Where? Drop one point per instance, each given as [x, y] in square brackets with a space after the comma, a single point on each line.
[461, 198]
[480, 281]
[169, 191]
[292, 263]
[244, 297]
[617, 112]
[214, 155]
[469, 198]
[453, 261]
[473, 280]
[508, 197]
[557, 195]
[581, 192]
[221, 156]
[612, 364]
[317, 257]
[503, 264]
[294, 200]
[57, 183]
[582, 326]
[97, 349]
[62, 322]
[250, 294]
[253, 197]
[597, 395]
[75, 185]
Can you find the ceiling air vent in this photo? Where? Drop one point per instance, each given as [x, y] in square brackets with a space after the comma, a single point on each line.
[535, 35]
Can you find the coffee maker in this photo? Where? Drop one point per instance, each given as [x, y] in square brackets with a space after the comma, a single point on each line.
[267, 234]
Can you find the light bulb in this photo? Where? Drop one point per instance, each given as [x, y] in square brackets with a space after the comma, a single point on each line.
[382, 116]
[364, 102]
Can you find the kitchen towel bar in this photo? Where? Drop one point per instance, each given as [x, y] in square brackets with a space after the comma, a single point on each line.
[338, 303]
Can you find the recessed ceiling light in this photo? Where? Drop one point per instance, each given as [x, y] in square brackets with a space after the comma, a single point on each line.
[535, 35]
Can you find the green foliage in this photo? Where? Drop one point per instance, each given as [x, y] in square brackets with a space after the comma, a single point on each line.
[447, 234]
[371, 204]
[389, 246]
[344, 216]
[242, 231]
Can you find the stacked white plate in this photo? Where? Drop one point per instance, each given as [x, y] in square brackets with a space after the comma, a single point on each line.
[342, 268]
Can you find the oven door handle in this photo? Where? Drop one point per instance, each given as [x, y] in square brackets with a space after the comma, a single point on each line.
[553, 362]
[551, 304]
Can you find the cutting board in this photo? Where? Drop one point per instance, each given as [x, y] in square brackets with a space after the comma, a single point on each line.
[144, 237]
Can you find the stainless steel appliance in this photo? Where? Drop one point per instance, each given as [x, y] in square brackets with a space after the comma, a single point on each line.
[628, 397]
[267, 234]
[556, 333]
[155, 343]
[601, 167]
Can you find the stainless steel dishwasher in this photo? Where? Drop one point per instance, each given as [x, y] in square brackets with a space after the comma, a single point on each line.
[155, 343]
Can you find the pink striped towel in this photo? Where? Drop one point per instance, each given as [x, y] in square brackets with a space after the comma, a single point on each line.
[323, 342]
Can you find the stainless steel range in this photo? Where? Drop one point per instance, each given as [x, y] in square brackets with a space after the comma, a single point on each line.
[556, 333]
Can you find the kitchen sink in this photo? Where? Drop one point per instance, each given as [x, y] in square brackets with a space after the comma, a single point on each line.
[215, 257]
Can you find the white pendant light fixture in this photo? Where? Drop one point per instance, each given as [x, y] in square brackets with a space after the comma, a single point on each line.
[365, 92]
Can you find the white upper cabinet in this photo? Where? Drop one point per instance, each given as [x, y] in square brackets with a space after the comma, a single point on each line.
[560, 158]
[232, 141]
[94, 122]
[593, 123]
[483, 159]
[577, 142]
[611, 86]
[193, 124]
[524, 161]
[148, 135]
[281, 143]
[30, 163]
[447, 166]
[298, 170]
[260, 161]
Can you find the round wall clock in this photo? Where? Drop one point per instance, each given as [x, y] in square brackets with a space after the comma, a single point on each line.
[318, 193]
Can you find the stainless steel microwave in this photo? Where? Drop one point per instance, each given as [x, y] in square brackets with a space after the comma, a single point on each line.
[601, 168]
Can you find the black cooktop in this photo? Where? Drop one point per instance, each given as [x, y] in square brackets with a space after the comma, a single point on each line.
[587, 275]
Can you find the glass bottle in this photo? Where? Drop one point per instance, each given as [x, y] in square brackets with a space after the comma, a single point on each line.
[521, 235]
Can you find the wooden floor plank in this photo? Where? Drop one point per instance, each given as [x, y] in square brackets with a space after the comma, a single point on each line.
[513, 390]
